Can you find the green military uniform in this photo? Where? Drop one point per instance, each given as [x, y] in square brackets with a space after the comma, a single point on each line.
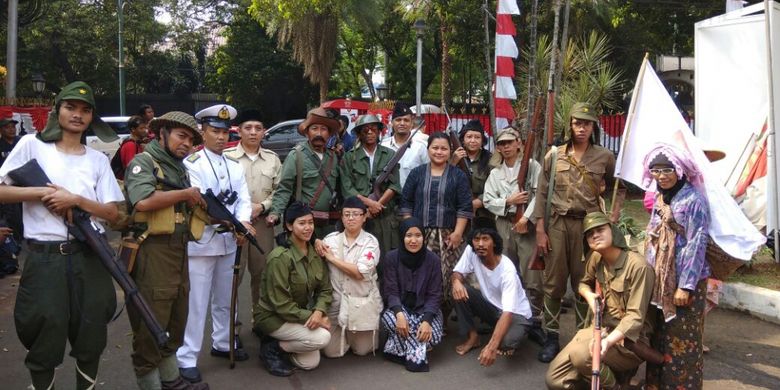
[310, 180]
[576, 193]
[627, 287]
[161, 268]
[358, 177]
[293, 286]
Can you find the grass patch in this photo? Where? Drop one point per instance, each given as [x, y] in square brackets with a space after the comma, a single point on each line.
[761, 271]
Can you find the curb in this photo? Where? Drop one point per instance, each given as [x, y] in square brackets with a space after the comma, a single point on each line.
[758, 301]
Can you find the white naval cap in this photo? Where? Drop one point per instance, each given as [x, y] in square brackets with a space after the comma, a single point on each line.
[219, 115]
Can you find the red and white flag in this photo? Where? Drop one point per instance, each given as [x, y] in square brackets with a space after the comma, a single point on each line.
[506, 52]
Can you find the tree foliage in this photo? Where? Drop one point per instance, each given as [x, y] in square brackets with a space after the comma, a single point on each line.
[251, 71]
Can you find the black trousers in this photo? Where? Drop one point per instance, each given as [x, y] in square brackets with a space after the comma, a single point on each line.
[478, 306]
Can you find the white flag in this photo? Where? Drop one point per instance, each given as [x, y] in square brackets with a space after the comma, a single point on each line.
[654, 119]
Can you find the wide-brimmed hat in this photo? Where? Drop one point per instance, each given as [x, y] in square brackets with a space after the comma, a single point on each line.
[6, 121]
[366, 120]
[319, 116]
[176, 119]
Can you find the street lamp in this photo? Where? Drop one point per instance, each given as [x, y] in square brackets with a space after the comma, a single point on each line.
[381, 92]
[38, 83]
[419, 28]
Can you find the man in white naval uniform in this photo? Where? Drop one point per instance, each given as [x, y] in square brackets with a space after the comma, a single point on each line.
[211, 258]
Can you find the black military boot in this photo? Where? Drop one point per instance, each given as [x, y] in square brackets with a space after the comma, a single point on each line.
[536, 334]
[273, 358]
[550, 349]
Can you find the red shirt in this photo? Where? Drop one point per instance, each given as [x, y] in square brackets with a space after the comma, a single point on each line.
[128, 150]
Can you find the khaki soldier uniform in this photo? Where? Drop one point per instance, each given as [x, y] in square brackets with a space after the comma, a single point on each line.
[358, 176]
[312, 185]
[576, 193]
[502, 183]
[627, 288]
[262, 176]
[161, 267]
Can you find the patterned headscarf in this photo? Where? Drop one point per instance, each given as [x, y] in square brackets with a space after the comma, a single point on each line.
[681, 161]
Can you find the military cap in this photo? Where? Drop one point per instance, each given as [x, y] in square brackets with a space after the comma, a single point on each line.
[368, 119]
[401, 109]
[594, 220]
[176, 119]
[319, 116]
[6, 121]
[507, 134]
[584, 111]
[219, 116]
[77, 90]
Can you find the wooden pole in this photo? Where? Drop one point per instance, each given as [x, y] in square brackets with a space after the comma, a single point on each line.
[629, 122]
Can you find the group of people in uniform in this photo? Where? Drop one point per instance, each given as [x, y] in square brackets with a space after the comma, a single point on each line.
[368, 243]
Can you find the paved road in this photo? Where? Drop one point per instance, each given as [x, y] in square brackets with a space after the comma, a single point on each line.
[745, 355]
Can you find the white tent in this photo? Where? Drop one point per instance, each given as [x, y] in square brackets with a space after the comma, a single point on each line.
[738, 88]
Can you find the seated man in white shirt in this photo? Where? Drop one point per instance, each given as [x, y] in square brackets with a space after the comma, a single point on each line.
[500, 302]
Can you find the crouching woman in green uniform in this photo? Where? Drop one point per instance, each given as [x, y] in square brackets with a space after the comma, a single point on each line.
[295, 294]
[65, 294]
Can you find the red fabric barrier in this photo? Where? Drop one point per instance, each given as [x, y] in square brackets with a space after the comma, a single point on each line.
[39, 115]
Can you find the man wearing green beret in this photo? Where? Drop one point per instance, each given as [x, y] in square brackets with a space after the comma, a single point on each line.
[623, 281]
[65, 293]
[161, 267]
[581, 168]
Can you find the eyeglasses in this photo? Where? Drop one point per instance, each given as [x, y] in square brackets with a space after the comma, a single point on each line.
[352, 215]
[661, 171]
[373, 128]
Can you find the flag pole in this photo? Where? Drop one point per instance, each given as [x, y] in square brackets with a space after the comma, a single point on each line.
[627, 128]
[772, 142]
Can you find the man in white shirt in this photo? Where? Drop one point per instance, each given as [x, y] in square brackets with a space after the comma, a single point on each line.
[65, 295]
[211, 258]
[417, 153]
[500, 301]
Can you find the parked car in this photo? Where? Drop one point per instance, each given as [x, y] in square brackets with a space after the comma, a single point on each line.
[119, 124]
[282, 137]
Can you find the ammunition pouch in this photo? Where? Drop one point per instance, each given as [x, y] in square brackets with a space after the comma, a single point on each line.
[198, 222]
[162, 221]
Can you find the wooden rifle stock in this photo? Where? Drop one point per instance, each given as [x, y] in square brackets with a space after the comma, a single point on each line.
[596, 353]
[376, 192]
[528, 150]
[550, 117]
[455, 142]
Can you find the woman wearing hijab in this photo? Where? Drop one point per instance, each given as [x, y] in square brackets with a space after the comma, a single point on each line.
[413, 292]
[295, 295]
[675, 247]
[439, 196]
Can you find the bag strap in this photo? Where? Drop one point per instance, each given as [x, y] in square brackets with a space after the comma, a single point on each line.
[550, 187]
[324, 181]
[298, 171]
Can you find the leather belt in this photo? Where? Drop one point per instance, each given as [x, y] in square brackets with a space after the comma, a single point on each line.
[61, 247]
[579, 214]
[324, 218]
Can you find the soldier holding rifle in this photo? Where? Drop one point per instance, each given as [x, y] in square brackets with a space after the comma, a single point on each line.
[626, 280]
[161, 268]
[65, 293]
[371, 173]
[580, 165]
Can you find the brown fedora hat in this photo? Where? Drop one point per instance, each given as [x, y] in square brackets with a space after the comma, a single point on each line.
[319, 116]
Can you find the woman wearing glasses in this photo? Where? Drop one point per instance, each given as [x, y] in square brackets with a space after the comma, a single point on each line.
[352, 257]
[675, 246]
